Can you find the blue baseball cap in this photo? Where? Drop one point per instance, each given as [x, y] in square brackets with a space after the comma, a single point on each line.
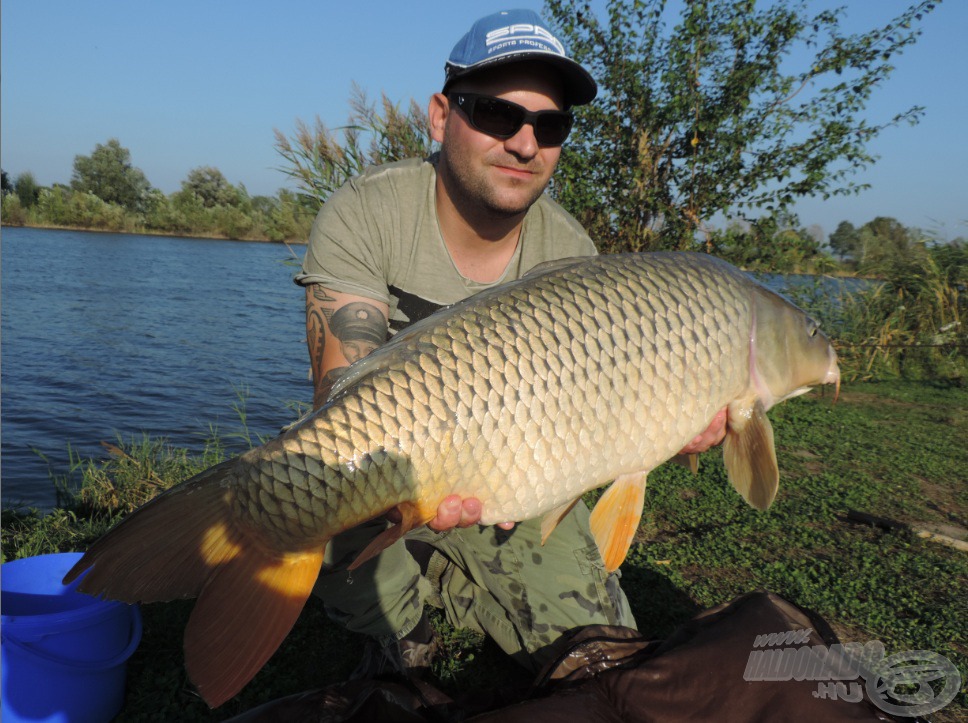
[511, 36]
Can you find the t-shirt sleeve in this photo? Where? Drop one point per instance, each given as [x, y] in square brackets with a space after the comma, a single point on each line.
[343, 253]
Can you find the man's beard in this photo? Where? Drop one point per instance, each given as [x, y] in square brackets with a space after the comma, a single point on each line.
[471, 190]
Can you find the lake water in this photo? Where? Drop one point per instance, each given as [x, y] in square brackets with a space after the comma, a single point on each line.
[107, 334]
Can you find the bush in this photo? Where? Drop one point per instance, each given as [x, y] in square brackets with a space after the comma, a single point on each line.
[12, 212]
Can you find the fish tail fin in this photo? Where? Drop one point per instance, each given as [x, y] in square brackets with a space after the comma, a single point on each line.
[242, 616]
[749, 455]
[616, 516]
[188, 542]
[168, 547]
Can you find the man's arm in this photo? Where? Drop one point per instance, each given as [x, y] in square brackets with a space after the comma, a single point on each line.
[330, 355]
[341, 328]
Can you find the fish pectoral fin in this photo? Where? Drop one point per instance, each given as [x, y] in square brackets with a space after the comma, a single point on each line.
[616, 517]
[749, 454]
[550, 521]
[411, 517]
[243, 614]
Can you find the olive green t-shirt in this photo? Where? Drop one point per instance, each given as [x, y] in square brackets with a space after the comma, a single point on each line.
[378, 237]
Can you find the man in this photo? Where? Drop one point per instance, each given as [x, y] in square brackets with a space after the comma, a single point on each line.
[399, 242]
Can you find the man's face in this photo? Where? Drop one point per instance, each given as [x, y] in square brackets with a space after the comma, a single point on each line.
[502, 177]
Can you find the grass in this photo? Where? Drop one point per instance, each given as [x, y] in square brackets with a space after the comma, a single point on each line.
[892, 449]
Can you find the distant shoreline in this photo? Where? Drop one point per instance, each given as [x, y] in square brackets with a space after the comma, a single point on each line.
[150, 232]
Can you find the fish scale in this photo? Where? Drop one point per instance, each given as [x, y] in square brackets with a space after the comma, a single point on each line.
[524, 396]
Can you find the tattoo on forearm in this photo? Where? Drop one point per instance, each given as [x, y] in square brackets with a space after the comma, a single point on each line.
[319, 293]
[360, 328]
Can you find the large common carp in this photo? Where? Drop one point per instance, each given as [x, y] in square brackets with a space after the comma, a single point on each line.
[525, 396]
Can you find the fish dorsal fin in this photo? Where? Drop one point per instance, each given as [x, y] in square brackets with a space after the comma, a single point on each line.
[554, 265]
[749, 454]
[616, 517]
[550, 521]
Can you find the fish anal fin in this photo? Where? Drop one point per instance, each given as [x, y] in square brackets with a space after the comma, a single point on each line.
[749, 455]
[616, 517]
[243, 614]
[412, 515]
[550, 521]
[689, 461]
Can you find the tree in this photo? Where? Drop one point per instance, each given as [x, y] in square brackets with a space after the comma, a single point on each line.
[769, 244]
[884, 243]
[702, 114]
[5, 186]
[26, 189]
[210, 187]
[108, 174]
[845, 241]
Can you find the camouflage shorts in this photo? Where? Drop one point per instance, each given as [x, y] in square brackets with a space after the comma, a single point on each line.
[505, 584]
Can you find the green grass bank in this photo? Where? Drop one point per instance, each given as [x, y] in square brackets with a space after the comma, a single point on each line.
[894, 450]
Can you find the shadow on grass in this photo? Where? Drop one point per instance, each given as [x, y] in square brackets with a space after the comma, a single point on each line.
[658, 605]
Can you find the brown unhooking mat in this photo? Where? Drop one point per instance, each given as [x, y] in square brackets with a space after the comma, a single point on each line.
[707, 670]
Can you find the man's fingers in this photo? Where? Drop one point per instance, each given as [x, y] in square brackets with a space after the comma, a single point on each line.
[713, 435]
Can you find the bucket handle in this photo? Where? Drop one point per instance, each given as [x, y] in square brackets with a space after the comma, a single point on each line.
[93, 665]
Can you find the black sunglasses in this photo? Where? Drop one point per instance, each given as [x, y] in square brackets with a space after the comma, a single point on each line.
[503, 119]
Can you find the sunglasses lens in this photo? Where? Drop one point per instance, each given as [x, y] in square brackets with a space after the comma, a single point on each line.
[551, 129]
[497, 117]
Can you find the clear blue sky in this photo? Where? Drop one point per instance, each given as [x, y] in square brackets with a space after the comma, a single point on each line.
[184, 83]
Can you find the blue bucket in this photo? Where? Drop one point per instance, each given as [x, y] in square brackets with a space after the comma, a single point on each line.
[64, 653]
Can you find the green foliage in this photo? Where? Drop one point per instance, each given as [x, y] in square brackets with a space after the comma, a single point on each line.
[61, 206]
[845, 240]
[702, 114]
[209, 187]
[11, 211]
[26, 189]
[108, 174]
[765, 245]
[319, 162]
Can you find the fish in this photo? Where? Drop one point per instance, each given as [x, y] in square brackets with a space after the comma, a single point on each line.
[582, 373]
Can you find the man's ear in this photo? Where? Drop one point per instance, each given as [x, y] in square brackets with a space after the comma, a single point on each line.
[437, 112]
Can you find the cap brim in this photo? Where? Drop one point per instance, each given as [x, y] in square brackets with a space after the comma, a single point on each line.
[580, 87]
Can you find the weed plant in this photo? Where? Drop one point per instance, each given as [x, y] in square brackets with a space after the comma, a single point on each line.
[912, 322]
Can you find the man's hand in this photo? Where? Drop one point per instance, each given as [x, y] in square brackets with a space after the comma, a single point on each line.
[714, 434]
[456, 512]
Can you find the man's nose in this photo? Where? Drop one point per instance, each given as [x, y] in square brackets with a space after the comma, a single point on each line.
[523, 144]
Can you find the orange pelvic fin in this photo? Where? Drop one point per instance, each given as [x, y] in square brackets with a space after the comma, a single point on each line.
[411, 517]
[188, 543]
[616, 517]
